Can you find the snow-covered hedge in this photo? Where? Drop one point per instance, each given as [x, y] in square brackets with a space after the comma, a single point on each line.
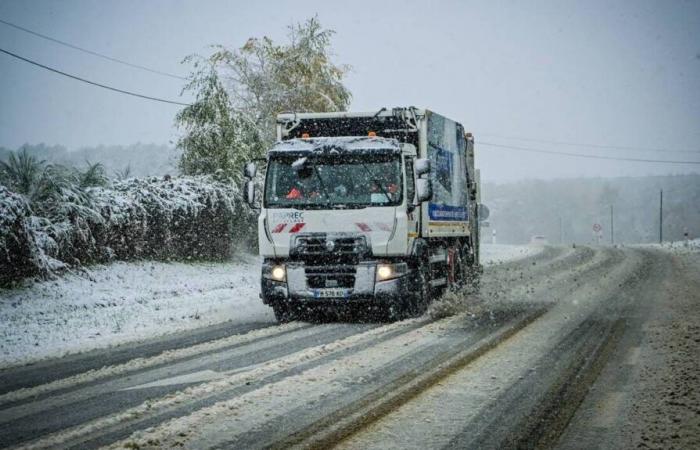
[157, 218]
[23, 244]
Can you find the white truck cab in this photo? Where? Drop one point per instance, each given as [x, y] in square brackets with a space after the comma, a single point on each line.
[350, 217]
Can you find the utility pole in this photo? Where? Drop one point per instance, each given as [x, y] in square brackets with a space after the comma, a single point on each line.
[661, 216]
[612, 227]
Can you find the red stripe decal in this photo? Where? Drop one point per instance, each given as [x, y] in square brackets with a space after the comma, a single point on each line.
[384, 226]
[279, 228]
[363, 226]
[297, 227]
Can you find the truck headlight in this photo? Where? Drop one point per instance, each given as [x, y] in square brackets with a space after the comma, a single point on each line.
[387, 271]
[276, 273]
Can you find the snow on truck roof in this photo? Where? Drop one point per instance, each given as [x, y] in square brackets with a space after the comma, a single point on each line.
[350, 143]
[342, 114]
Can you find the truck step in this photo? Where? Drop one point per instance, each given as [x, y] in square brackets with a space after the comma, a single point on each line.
[438, 257]
[438, 282]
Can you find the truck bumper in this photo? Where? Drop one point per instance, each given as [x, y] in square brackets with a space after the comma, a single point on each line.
[298, 288]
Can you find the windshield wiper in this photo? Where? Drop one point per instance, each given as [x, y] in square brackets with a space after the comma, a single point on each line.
[375, 181]
[322, 184]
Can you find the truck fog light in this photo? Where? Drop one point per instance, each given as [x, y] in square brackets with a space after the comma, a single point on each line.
[278, 273]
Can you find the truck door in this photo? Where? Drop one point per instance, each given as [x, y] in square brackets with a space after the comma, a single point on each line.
[413, 215]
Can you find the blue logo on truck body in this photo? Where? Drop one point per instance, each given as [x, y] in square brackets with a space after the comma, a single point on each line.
[447, 212]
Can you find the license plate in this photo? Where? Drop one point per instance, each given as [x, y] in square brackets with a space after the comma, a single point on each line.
[331, 293]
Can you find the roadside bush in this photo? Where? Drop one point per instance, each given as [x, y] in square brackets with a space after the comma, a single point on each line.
[23, 244]
[74, 223]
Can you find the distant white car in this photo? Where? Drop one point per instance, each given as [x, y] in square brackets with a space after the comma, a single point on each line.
[538, 240]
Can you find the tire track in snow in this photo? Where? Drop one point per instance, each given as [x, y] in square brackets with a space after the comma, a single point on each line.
[487, 404]
[109, 428]
[103, 398]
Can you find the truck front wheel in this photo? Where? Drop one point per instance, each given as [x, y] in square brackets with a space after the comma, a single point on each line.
[285, 312]
[421, 288]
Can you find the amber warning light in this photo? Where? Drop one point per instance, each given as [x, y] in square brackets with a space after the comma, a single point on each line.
[372, 134]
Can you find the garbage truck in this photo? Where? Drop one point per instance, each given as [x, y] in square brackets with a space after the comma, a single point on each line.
[365, 211]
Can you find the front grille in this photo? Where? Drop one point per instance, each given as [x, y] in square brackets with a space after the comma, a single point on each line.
[314, 248]
[330, 276]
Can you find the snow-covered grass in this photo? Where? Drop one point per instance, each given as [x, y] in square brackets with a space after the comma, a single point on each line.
[126, 302]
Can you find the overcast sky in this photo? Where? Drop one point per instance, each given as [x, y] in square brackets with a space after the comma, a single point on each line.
[606, 73]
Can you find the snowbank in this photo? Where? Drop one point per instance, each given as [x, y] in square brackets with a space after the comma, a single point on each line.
[677, 247]
[498, 253]
[127, 302]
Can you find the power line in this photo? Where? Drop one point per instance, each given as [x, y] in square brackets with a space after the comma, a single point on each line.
[583, 155]
[90, 52]
[579, 144]
[121, 91]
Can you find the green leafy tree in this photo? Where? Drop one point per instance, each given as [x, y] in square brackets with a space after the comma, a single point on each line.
[217, 139]
[239, 93]
[266, 78]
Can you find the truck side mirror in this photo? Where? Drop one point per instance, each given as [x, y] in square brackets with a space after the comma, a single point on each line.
[424, 190]
[249, 193]
[250, 170]
[483, 212]
[422, 166]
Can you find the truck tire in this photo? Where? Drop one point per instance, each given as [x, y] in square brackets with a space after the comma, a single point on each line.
[470, 271]
[394, 311]
[421, 288]
[285, 312]
[416, 303]
[460, 272]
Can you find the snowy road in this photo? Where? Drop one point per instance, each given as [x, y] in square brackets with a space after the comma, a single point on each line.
[127, 302]
[514, 365]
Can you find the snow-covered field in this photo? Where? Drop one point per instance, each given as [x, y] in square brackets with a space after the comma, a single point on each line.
[498, 253]
[677, 246]
[125, 302]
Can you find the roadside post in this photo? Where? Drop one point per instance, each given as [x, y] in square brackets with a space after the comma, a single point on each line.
[597, 229]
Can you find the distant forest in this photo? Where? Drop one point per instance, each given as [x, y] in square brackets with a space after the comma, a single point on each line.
[139, 160]
[519, 210]
[524, 209]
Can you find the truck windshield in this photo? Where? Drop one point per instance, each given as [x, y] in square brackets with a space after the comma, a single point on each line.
[333, 181]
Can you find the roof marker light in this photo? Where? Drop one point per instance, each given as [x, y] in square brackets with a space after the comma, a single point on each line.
[372, 134]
